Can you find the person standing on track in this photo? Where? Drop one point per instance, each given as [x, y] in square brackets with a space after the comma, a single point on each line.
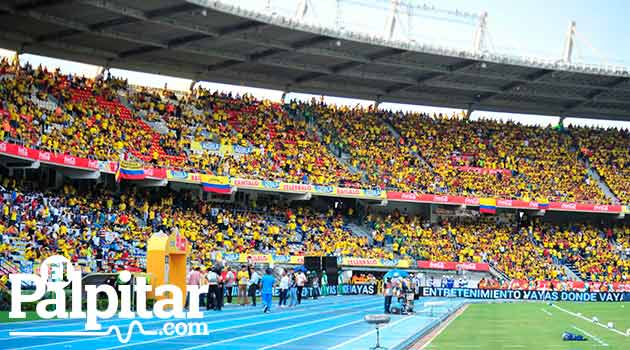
[194, 279]
[267, 289]
[315, 286]
[254, 285]
[228, 279]
[213, 299]
[284, 289]
[243, 279]
[388, 295]
[300, 281]
[293, 290]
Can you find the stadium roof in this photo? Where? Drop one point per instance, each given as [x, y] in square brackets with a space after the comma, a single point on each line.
[233, 45]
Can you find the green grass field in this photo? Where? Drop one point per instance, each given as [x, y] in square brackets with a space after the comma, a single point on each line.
[535, 326]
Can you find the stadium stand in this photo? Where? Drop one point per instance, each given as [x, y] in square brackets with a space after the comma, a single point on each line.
[607, 151]
[222, 134]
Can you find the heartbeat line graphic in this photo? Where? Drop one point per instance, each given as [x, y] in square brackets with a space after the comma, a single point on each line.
[112, 329]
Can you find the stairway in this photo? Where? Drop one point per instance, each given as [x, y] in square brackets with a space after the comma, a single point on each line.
[592, 172]
[571, 271]
[397, 135]
[316, 132]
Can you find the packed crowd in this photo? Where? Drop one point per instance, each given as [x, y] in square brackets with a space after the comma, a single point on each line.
[307, 142]
[598, 253]
[106, 231]
[102, 230]
[502, 159]
[607, 151]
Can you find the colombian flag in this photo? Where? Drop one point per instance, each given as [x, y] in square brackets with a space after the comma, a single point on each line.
[216, 184]
[543, 203]
[130, 171]
[488, 205]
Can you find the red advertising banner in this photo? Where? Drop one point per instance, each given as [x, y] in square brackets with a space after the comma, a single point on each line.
[47, 157]
[452, 266]
[156, 173]
[600, 208]
[502, 203]
[431, 198]
[485, 171]
[578, 286]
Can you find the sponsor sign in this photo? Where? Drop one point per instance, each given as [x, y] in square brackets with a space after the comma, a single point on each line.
[493, 294]
[376, 262]
[452, 266]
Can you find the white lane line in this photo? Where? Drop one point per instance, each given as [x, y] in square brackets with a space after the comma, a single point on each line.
[277, 329]
[233, 312]
[547, 312]
[56, 322]
[231, 327]
[254, 314]
[601, 342]
[122, 323]
[591, 321]
[310, 335]
[368, 333]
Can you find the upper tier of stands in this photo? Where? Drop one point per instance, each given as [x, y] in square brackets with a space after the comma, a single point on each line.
[107, 119]
[106, 231]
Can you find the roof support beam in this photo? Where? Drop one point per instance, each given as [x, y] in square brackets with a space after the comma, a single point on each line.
[342, 67]
[127, 11]
[426, 79]
[592, 96]
[516, 85]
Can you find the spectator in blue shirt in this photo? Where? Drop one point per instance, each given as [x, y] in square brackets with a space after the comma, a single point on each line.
[267, 289]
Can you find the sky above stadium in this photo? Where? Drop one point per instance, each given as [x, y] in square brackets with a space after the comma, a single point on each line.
[529, 28]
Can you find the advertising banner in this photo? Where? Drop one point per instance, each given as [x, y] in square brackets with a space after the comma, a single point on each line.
[47, 157]
[262, 258]
[491, 294]
[503, 203]
[485, 171]
[322, 190]
[452, 266]
[376, 262]
[183, 176]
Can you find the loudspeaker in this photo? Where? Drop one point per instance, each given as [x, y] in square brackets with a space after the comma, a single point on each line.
[330, 262]
[313, 263]
[333, 277]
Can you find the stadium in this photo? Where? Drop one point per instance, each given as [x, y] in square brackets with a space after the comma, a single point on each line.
[137, 214]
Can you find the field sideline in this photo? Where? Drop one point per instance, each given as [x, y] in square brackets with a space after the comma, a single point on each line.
[510, 326]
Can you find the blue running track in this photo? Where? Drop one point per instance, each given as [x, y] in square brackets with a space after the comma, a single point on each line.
[331, 323]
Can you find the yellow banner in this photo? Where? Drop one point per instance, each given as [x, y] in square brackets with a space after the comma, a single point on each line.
[376, 262]
[183, 176]
[212, 179]
[334, 191]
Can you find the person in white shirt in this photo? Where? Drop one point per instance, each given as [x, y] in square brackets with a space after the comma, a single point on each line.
[284, 288]
[254, 281]
[300, 281]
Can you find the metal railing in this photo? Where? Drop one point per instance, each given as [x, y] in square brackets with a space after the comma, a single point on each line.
[400, 24]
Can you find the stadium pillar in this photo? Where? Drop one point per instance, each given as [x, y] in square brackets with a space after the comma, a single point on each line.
[480, 34]
[392, 20]
[469, 110]
[569, 43]
[166, 261]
